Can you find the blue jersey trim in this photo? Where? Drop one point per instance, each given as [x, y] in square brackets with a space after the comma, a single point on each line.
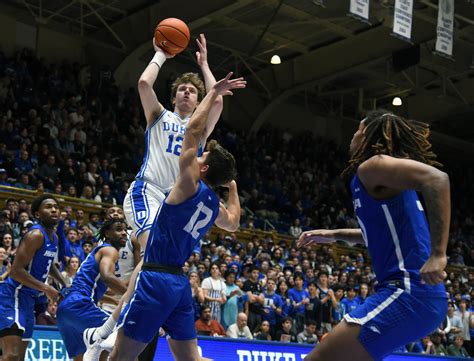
[158, 118]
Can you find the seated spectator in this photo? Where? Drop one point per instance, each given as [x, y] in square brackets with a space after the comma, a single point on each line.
[5, 264]
[437, 346]
[48, 318]
[309, 334]
[208, 327]
[264, 333]
[240, 328]
[456, 348]
[105, 196]
[286, 334]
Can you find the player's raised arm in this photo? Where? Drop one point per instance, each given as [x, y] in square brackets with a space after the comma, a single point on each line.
[187, 181]
[384, 175]
[229, 217]
[209, 81]
[151, 106]
[32, 242]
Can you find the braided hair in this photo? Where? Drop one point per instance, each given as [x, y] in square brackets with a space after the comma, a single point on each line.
[390, 134]
[107, 226]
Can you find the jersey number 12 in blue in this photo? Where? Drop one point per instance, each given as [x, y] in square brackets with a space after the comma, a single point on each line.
[177, 142]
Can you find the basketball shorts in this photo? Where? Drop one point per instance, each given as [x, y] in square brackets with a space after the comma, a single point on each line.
[160, 300]
[392, 318]
[16, 308]
[76, 313]
[142, 202]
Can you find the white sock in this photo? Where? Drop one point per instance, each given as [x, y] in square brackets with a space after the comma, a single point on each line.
[106, 329]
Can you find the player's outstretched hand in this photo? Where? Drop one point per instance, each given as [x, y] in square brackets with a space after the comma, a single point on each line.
[432, 271]
[157, 48]
[201, 54]
[315, 236]
[51, 293]
[224, 86]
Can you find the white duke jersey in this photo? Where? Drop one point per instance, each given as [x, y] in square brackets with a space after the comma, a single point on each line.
[126, 262]
[164, 139]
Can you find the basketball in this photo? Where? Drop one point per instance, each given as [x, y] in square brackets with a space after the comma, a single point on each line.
[172, 35]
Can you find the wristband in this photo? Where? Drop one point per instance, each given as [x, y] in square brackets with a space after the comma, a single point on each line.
[159, 58]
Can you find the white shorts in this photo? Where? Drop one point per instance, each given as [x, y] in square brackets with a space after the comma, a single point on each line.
[142, 202]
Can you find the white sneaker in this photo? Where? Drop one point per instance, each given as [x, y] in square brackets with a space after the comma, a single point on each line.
[93, 349]
[109, 342]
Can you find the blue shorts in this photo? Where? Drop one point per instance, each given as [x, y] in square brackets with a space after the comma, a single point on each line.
[160, 300]
[17, 307]
[142, 202]
[76, 313]
[392, 318]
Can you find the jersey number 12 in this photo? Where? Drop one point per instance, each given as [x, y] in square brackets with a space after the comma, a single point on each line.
[193, 227]
[176, 150]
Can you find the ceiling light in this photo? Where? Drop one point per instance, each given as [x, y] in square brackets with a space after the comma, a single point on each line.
[275, 60]
[397, 101]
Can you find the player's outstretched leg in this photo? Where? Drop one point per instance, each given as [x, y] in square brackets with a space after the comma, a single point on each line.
[341, 344]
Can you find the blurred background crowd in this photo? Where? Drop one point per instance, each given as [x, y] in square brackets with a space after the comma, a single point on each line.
[67, 129]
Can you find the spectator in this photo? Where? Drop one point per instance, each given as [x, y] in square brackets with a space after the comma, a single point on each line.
[364, 293]
[8, 245]
[308, 336]
[4, 178]
[72, 266]
[48, 172]
[105, 196]
[230, 309]
[350, 302]
[214, 292]
[253, 288]
[240, 328]
[286, 334]
[465, 317]
[295, 229]
[314, 306]
[456, 348]
[206, 326]
[457, 327]
[73, 245]
[48, 318]
[87, 246]
[264, 333]
[5, 264]
[438, 348]
[299, 299]
[327, 301]
[286, 307]
[24, 182]
[196, 292]
[272, 306]
[339, 310]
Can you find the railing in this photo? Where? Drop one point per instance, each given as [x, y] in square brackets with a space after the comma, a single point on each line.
[244, 235]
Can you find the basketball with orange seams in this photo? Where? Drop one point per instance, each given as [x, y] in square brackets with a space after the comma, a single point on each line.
[172, 35]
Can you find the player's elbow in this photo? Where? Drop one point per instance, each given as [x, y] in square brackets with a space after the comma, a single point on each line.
[144, 84]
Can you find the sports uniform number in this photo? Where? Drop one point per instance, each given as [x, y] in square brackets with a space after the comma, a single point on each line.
[174, 144]
[193, 227]
[45, 275]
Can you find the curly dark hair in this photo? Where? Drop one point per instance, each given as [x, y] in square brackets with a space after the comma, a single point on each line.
[107, 226]
[36, 204]
[393, 135]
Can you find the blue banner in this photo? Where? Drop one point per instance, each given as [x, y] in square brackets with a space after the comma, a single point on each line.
[47, 345]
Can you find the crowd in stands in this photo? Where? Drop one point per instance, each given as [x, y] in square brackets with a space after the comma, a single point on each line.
[68, 129]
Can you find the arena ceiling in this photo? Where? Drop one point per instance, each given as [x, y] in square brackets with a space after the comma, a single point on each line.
[338, 64]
